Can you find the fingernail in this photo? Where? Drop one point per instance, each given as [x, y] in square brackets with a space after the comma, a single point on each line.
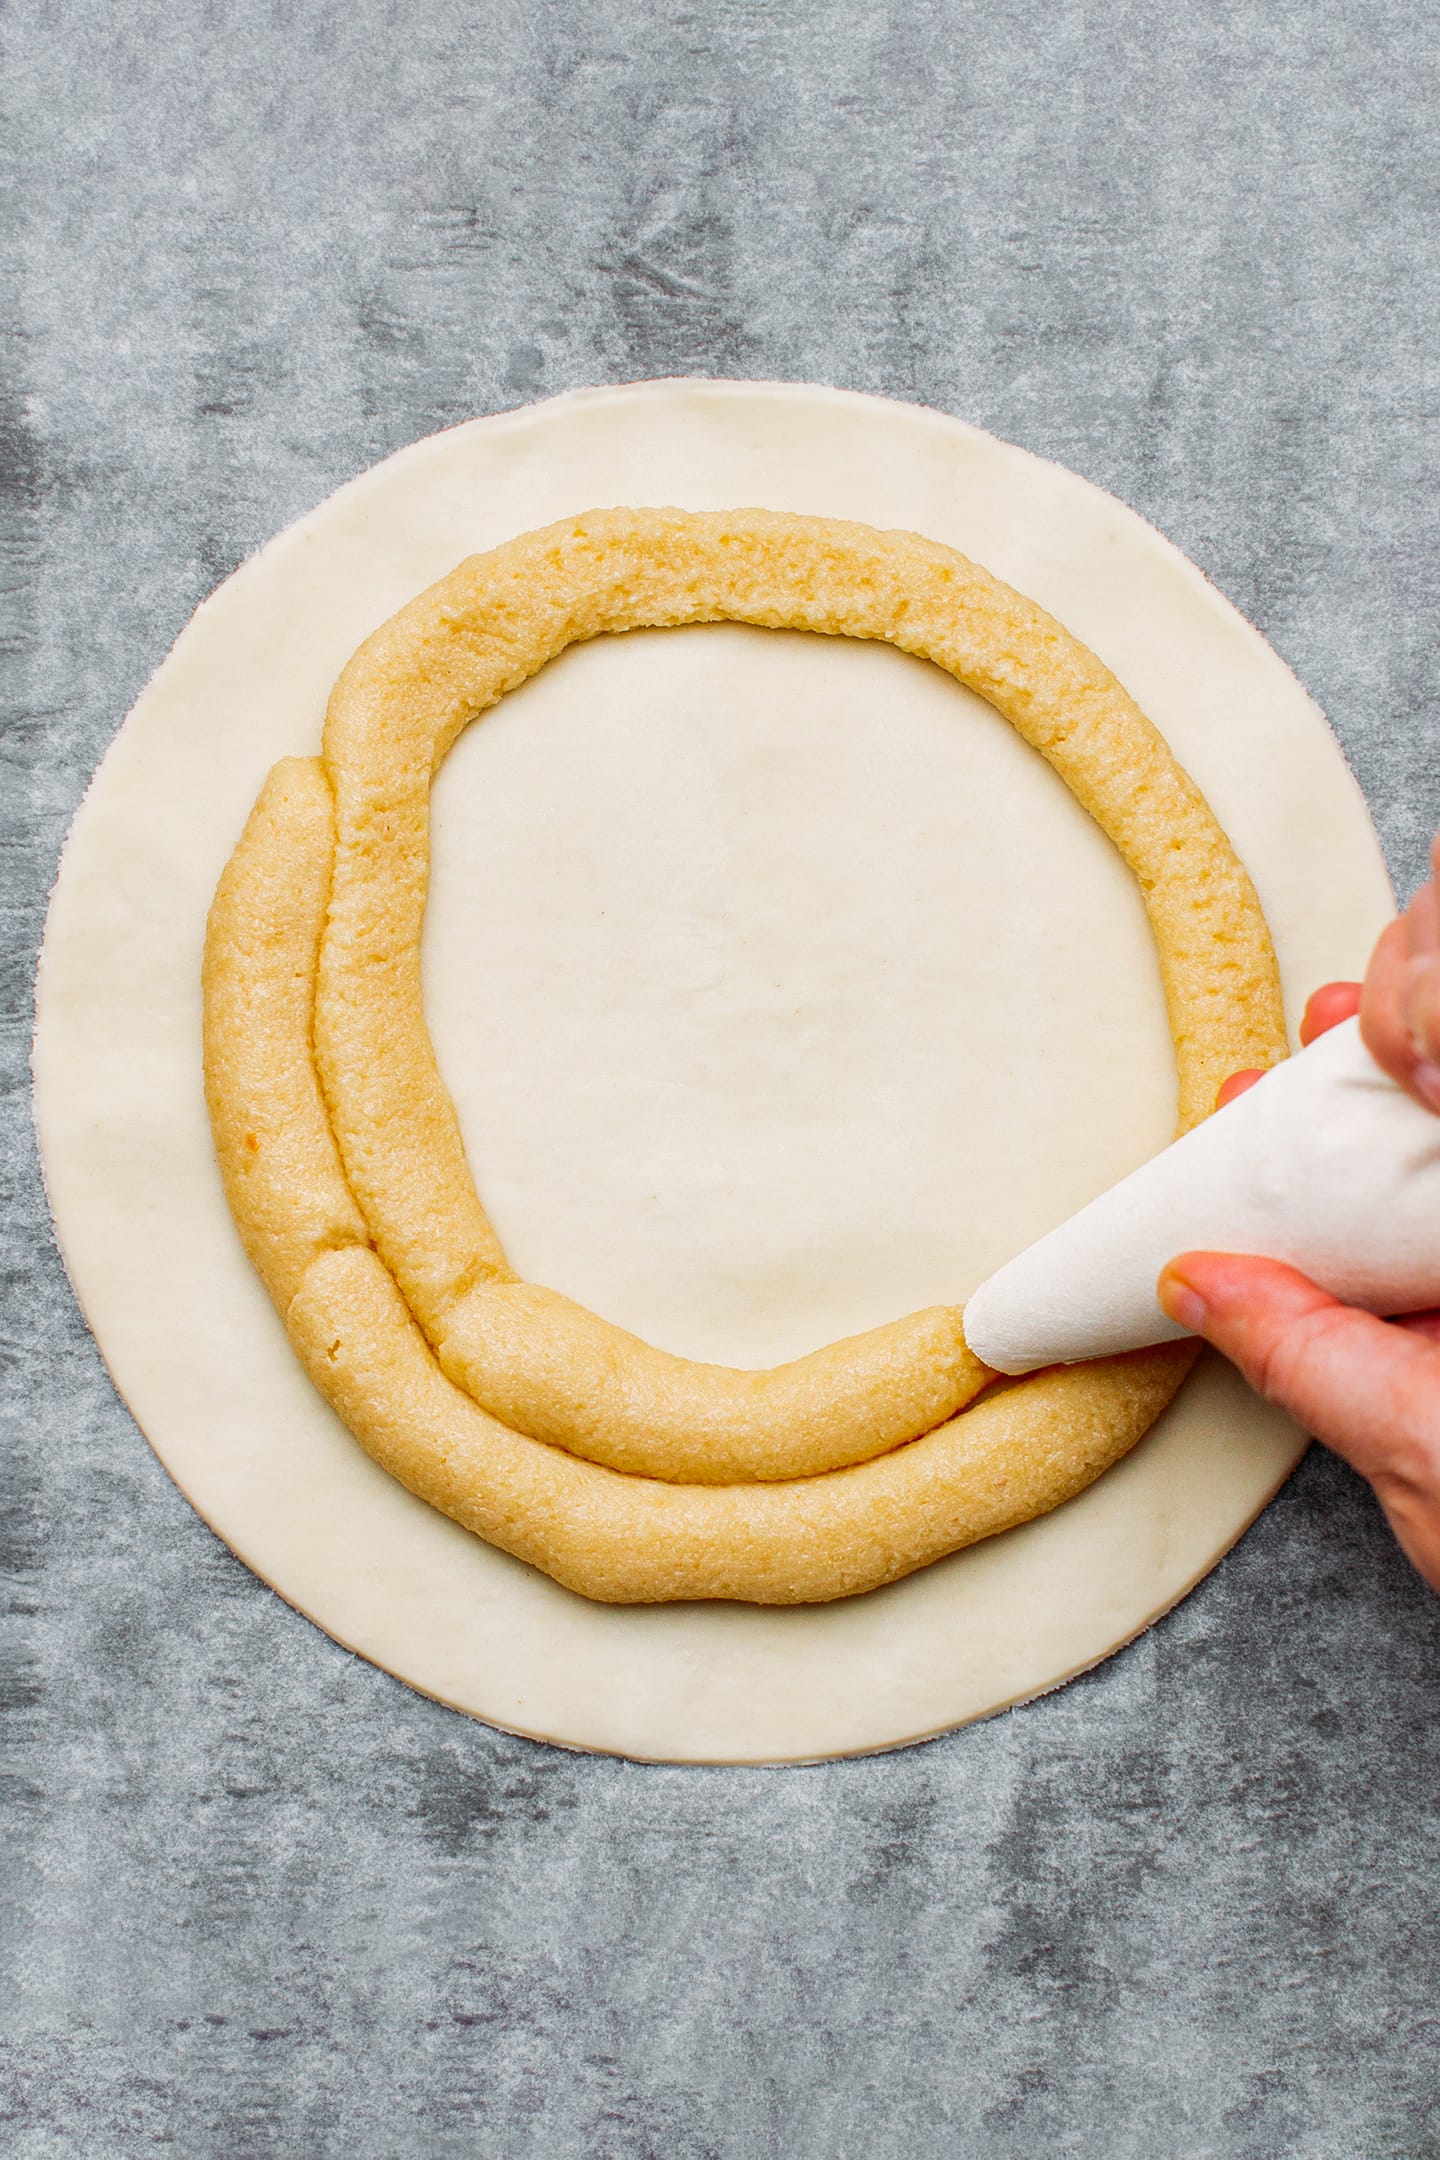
[1426, 1078]
[1181, 1303]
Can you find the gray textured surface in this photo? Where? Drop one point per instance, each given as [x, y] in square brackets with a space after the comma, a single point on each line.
[261, 1899]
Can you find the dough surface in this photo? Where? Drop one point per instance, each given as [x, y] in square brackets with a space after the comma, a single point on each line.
[678, 785]
[285, 971]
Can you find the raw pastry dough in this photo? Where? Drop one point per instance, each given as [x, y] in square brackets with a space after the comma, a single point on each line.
[586, 1385]
[712, 1221]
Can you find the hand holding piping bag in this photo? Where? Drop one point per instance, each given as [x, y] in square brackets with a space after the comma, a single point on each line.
[1368, 1388]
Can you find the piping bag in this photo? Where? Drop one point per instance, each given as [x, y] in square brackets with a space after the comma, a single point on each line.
[1326, 1163]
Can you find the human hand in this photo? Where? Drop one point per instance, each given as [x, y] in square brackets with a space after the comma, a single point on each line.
[1368, 1388]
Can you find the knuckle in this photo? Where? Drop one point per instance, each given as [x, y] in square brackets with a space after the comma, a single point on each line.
[1279, 1369]
[1274, 1364]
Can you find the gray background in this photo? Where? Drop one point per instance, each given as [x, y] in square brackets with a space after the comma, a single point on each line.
[263, 1900]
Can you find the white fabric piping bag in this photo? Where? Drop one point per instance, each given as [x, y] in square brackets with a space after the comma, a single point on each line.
[1325, 1163]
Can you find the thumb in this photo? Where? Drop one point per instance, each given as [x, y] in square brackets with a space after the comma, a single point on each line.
[1368, 1390]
